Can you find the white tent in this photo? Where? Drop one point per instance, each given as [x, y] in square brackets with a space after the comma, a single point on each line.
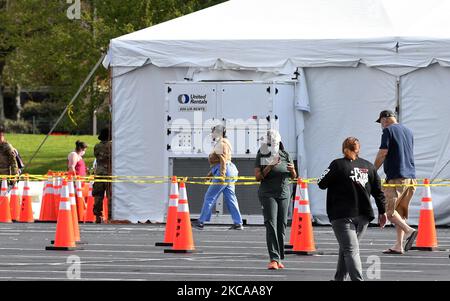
[355, 57]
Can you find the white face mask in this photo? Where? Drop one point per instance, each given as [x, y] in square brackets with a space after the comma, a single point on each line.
[217, 132]
[82, 153]
[215, 135]
[274, 147]
[274, 140]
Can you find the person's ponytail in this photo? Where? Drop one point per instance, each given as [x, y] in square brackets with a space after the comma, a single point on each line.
[80, 145]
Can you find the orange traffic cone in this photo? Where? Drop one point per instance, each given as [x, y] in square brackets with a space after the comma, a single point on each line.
[304, 236]
[294, 224]
[26, 211]
[105, 209]
[80, 199]
[171, 216]
[47, 207]
[57, 193]
[183, 242]
[89, 216]
[426, 236]
[64, 237]
[43, 202]
[5, 209]
[14, 202]
[73, 209]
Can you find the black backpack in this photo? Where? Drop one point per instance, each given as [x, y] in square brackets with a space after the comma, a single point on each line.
[19, 160]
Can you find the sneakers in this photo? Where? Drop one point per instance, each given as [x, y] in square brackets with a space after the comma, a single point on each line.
[237, 227]
[198, 225]
[98, 219]
[273, 265]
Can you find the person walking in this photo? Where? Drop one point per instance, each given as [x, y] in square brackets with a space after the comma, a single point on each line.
[350, 182]
[396, 154]
[221, 167]
[75, 162]
[274, 168]
[102, 153]
[8, 161]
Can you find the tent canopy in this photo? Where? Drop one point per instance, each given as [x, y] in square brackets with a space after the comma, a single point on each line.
[300, 33]
[401, 39]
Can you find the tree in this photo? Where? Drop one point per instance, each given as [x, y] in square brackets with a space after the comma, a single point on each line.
[5, 49]
[41, 47]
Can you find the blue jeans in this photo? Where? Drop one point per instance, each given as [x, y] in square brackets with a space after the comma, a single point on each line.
[229, 195]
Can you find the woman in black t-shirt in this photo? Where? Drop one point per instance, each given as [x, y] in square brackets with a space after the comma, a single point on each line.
[350, 182]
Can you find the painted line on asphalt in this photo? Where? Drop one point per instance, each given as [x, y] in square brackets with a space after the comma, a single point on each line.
[148, 273]
[65, 278]
[216, 253]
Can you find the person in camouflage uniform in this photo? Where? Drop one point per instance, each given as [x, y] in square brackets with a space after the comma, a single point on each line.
[8, 163]
[102, 153]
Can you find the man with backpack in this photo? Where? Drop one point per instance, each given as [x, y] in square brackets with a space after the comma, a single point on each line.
[8, 161]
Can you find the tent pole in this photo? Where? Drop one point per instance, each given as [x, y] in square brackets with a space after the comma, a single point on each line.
[397, 108]
[80, 89]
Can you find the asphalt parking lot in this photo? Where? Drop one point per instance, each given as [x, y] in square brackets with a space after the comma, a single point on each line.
[128, 252]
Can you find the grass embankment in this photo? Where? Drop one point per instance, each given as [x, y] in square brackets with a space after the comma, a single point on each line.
[53, 155]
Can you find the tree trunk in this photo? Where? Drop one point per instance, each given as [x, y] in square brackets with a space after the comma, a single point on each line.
[2, 99]
[18, 102]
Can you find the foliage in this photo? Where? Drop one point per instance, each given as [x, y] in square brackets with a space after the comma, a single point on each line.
[41, 47]
[18, 126]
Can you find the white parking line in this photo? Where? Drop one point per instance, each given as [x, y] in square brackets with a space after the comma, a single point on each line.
[240, 267]
[65, 278]
[148, 273]
[80, 252]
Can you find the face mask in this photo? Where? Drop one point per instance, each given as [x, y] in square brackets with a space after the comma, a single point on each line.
[215, 136]
[273, 143]
[82, 153]
[274, 147]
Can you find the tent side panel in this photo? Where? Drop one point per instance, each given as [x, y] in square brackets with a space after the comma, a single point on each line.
[139, 141]
[425, 109]
[344, 102]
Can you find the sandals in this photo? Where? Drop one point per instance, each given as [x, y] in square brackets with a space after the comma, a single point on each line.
[392, 252]
[273, 265]
[410, 241]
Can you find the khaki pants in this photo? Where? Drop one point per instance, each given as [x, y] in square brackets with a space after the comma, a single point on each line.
[399, 197]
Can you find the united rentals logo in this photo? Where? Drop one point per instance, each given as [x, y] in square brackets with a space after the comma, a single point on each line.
[198, 99]
[194, 99]
[183, 99]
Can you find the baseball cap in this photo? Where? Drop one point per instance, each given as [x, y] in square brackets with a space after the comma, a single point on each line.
[385, 113]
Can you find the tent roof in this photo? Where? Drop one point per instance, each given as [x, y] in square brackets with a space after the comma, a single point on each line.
[279, 33]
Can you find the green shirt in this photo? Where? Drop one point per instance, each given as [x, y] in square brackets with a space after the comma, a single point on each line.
[276, 182]
[102, 153]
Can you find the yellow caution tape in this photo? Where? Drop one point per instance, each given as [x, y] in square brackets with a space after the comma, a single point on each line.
[240, 180]
[70, 113]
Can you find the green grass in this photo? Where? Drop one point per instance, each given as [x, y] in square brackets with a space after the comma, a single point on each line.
[53, 154]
